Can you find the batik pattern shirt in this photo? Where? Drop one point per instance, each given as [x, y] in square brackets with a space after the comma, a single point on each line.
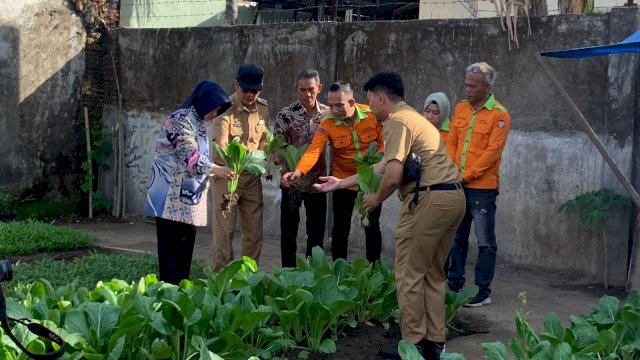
[298, 126]
[181, 165]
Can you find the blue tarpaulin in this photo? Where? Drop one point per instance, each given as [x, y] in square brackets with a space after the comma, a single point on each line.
[628, 45]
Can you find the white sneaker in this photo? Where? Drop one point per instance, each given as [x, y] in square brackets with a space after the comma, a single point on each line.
[477, 302]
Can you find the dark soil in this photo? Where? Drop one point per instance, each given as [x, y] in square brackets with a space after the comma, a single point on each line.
[363, 342]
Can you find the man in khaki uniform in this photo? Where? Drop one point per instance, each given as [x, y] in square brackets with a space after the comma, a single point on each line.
[248, 120]
[427, 221]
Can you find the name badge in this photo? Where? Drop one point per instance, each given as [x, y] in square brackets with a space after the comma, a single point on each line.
[237, 124]
[261, 122]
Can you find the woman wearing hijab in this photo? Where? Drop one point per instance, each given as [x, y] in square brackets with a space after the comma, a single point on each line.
[177, 194]
[437, 110]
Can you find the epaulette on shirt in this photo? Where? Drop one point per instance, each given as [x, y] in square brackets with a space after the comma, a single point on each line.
[263, 101]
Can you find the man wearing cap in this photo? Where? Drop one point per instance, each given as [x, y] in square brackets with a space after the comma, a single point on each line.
[479, 130]
[248, 120]
[430, 213]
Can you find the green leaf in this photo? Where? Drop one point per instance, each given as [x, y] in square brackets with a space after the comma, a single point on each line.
[451, 356]
[116, 351]
[160, 349]
[408, 351]
[633, 300]
[495, 351]
[327, 346]
[607, 338]
[553, 330]
[255, 169]
[129, 328]
[517, 349]
[562, 352]
[205, 354]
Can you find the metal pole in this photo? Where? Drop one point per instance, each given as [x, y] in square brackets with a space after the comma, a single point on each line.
[592, 135]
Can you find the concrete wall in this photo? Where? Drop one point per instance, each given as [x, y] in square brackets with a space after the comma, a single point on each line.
[548, 160]
[41, 66]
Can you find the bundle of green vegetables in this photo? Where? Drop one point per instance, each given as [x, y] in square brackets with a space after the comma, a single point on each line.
[240, 160]
[291, 155]
[368, 180]
[271, 149]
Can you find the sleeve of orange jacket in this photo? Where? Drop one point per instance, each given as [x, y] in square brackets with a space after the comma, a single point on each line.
[497, 142]
[311, 156]
[452, 141]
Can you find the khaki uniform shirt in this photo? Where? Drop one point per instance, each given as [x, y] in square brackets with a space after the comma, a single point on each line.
[248, 124]
[406, 131]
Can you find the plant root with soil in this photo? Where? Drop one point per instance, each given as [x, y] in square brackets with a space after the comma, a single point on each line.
[229, 200]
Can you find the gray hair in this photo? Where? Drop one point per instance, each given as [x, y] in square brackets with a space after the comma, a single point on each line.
[482, 67]
[308, 74]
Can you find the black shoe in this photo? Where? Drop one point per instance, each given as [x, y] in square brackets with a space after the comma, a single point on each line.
[393, 354]
[389, 354]
[432, 350]
[478, 301]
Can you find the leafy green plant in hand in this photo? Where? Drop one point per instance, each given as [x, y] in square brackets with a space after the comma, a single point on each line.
[368, 183]
[240, 160]
[271, 148]
[291, 155]
[368, 180]
[371, 157]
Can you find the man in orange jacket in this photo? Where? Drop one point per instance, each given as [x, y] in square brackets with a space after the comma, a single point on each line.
[479, 130]
[350, 128]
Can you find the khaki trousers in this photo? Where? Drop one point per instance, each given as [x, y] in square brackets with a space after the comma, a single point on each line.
[423, 240]
[249, 208]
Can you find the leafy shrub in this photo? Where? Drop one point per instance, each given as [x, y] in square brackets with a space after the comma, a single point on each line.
[44, 210]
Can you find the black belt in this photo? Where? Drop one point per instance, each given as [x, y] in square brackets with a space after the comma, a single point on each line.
[438, 187]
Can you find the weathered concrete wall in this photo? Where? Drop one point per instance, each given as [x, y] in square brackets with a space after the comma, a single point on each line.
[548, 160]
[41, 65]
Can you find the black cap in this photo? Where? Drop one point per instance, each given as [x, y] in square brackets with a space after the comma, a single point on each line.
[250, 77]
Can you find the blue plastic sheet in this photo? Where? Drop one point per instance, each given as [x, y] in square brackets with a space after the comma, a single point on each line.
[628, 45]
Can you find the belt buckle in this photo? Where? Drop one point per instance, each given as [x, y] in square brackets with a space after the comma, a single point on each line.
[459, 186]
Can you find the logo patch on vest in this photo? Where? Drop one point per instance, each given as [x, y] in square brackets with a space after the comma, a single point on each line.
[501, 124]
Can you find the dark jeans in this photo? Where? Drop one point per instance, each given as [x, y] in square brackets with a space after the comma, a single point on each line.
[175, 249]
[315, 205]
[481, 210]
[343, 203]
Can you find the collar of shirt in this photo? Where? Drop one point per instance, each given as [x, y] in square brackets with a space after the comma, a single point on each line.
[489, 104]
[303, 110]
[240, 107]
[445, 125]
[360, 114]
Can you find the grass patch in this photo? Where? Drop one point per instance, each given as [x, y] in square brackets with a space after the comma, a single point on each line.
[86, 271]
[44, 210]
[30, 237]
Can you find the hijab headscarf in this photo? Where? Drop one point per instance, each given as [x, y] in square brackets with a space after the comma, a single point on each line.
[207, 96]
[443, 103]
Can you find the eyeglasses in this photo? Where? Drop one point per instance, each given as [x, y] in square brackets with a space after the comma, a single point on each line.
[476, 69]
